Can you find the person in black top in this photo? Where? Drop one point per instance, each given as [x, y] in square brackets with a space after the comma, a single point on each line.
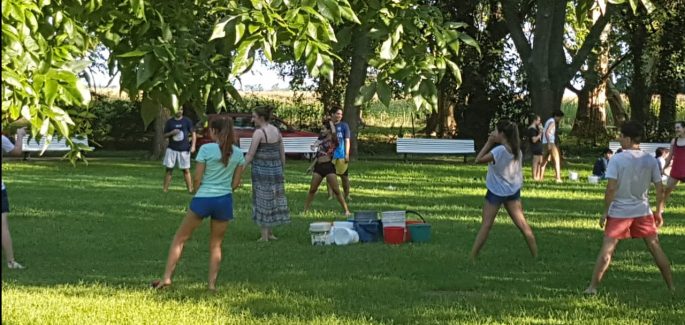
[602, 163]
[534, 135]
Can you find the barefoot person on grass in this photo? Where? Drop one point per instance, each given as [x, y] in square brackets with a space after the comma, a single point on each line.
[14, 150]
[341, 156]
[550, 145]
[267, 155]
[626, 205]
[323, 166]
[504, 180]
[217, 174]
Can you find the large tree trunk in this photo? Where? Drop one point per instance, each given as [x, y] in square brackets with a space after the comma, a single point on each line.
[358, 66]
[618, 111]
[447, 125]
[639, 93]
[667, 112]
[159, 143]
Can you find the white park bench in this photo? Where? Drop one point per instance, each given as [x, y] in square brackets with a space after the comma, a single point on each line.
[291, 145]
[649, 148]
[57, 145]
[464, 147]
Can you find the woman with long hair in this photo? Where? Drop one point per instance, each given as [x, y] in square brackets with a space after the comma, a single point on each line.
[323, 166]
[217, 174]
[504, 180]
[676, 160]
[267, 155]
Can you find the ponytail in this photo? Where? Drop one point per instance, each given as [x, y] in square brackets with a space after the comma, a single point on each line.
[511, 133]
[223, 127]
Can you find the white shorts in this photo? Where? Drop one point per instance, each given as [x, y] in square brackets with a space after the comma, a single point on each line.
[173, 157]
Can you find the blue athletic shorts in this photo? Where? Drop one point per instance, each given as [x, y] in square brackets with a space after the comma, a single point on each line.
[492, 198]
[5, 202]
[218, 207]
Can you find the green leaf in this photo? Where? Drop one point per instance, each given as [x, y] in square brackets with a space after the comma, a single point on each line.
[234, 93]
[365, 94]
[138, 7]
[384, 92]
[239, 32]
[133, 54]
[243, 59]
[266, 48]
[166, 33]
[456, 72]
[149, 109]
[299, 47]
[347, 13]
[51, 91]
[329, 9]
[387, 52]
[468, 40]
[311, 30]
[219, 29]
[146, 69]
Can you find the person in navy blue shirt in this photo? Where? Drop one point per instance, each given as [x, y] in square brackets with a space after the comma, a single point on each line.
[341, 156]
[181, 134]
[600, 167]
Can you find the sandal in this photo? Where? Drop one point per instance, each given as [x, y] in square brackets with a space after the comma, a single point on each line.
[159, 285]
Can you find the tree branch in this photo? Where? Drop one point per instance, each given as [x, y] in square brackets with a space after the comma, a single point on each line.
[511, 18]
[613, 66]
[590, 41]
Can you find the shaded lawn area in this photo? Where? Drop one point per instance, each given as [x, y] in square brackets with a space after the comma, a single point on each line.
[94, 236]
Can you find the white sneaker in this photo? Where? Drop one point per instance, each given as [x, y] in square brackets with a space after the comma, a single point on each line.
[14, 265]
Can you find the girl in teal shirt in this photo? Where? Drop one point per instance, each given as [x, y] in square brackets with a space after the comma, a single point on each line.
[217, 174]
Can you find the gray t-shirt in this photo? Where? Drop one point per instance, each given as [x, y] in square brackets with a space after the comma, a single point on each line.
[634, 170]
[504, 176]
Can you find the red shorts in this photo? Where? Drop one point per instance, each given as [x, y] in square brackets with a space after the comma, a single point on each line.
[622, 228]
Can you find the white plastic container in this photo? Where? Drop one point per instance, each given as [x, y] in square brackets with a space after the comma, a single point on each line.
[592, 179]
[573, 176]
[345, 236]
[319, 232]
[664, 179]
[343, 224]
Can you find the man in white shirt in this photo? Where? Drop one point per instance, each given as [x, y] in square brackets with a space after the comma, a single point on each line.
[14, 150]
[627, 213]
[549, 146]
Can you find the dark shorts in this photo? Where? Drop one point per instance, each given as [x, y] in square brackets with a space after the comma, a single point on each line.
[495, 199]
[536, 150]
[324, 169]
[5, 202]
[218, 207]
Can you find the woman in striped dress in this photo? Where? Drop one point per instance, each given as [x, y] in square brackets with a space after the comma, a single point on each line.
[269, 204]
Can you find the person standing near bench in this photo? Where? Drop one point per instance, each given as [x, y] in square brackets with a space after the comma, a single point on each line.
[341, 156]
[14, 150]
[180, 132]
[503, 181]
[549, 145]
[626, 205]
[267, 155]
[676, 160]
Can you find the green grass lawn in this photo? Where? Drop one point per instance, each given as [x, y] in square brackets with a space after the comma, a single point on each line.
[93, 237]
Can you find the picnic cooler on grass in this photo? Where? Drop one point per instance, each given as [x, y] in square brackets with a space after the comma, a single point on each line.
[368, 226]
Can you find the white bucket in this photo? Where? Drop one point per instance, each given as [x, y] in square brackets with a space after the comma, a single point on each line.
[573, 176]
[664, 179]
[343, 224]
[593, 179]
[319, 232]
[344, 236]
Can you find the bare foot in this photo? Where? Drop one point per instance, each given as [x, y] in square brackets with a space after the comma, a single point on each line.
[160, 284]
[272, 237]
[590, 291]
[260, 240]
[348, 213]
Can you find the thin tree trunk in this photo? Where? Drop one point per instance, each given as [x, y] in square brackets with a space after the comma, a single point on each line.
[358, 68]
[159, 143]
[639, 94]
[447, 125]
[667, 112]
